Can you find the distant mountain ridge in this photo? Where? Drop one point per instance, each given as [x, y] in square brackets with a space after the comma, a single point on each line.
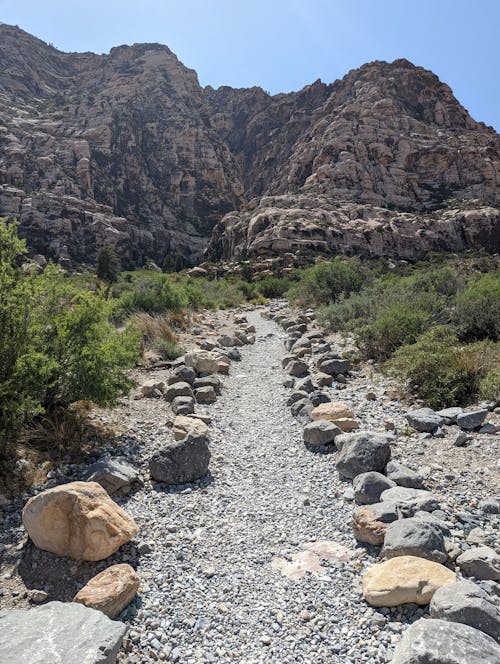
[128, 149]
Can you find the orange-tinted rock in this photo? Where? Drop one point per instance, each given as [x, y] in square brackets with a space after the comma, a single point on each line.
[111, 590]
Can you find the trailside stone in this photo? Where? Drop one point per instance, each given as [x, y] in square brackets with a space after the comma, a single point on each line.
[347, 424]
[203, 361]
[181, 461]
[333, 366]
[205, 394]
[296, 396]
[368, 487]
[114, 475]
[431, 641]
[320, 432]
[411, 500]
[414, 537]
[317, 397]
[323, 379]
[403, 476]
[178, 390]
[362, 452]
[424, 419]
[184, 425]
[59, 632]
[152, 387]
[467, 603]
[297, 368]
[449, 415]
[334, 410]
[472, 420]
[183, 405]
[209, 381]
[78, 520]
[403, 580]
[481, 562]
[111, 590]
[369, 523]
[182, 374]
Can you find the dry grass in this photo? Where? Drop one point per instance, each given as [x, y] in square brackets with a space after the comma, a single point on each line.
[157, 332]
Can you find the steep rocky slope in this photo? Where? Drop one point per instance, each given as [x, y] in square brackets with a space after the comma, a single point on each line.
[127, 149]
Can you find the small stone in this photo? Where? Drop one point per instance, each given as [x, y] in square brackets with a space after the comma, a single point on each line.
[481, 562]
[472, 420]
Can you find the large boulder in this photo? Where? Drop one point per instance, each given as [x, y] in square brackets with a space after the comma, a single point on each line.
[369, 523]
[111, 590]
[472, 420]
[440, 642]
[114, 475]
[181, 461]
[404, 580]
[362, 452]
[333, 366]
[368, 487]
[467, 603]
[78, 520]
[178, 390]
[203, 361]
[320, 432]
[297, 368]
[184, 425]
[424, 420]
[334, 410]
[482, 562]
[414, 537]
[411, 500]
[59, 632]
[403, 476]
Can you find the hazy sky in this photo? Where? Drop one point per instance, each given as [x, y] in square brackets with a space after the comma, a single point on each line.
[283, 45]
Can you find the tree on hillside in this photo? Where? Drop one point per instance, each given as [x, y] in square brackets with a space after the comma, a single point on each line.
[108, 267]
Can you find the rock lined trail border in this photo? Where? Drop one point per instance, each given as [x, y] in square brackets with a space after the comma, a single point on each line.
[209, 590]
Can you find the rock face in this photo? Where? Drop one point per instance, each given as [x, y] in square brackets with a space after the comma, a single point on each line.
[439, 642]
[111, 590]
[59, 632]
[126, 149]
[78, 520]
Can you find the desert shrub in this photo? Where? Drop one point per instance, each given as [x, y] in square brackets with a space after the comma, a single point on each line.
[326, 282]
[489, 386]
[153, 327]
[273, 287]
[477, 310]
[57, 344]
[169, 350]
[441, 371]
[153, 294]
[398, 324]
[349, 312]
[107, 267]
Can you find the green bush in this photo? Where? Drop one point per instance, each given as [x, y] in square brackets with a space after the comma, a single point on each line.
[489, 387]
[326, 282]
[477, 312]
[57, 344]
[153, 294]
[273, 287]
[169, 350]
[438, 370]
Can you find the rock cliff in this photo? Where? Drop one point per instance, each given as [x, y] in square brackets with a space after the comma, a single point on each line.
[127, 149]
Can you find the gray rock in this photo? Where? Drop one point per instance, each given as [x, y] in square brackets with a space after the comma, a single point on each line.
[461, 439]
[482, 562]
[183, 405]
[321, 432]
[424, 420]
[449, 415]
[430, 517]
[333, 366]
[465, 602]
[323, 379]
[304, 414]
[182, 374]
[490, 506]
[296, 396]
[180, 389]
[306, 385]
[318, 397]
[411, 500]
[233, 354]
[403, 476]
[59, 632]
[209, 381]
[286, 360]
[181, 461]
[299, 405]
[489, 428]
[362, 452]
[297, 368]
[368, 487]
[434, 641]
[205, 394]
[114, 475]
[289, 382]
[472, 420]
[414, 537]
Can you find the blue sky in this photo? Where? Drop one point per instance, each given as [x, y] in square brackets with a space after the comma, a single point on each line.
[283, 45]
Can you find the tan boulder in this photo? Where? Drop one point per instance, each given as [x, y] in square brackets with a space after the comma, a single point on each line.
[111, 590]
[369, 524]
[184, 425]
[78, 520]
[151, 387]
[223, 367]
[338, 412]
[203, 361]
[347, 424]
[403, 580]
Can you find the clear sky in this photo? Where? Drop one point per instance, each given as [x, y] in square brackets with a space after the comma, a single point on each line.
[282, 45]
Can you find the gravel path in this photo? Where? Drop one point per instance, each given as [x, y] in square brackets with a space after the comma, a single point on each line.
[209, 593]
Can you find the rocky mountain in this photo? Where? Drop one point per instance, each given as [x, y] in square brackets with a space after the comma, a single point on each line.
[127, 149]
